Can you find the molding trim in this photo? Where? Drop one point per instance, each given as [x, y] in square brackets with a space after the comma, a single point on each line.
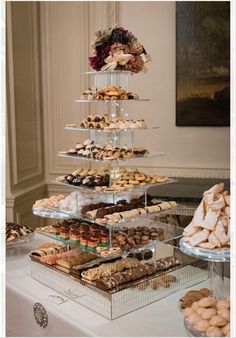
[22, 173]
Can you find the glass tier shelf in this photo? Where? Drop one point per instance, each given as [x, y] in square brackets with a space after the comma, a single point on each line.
[118, 254]
[151, 154]
[217, 255]
[53, 213]
[171, 232]
[110, 101]
[118, 192]
[110, 72]
[110, 131]
[50, 213]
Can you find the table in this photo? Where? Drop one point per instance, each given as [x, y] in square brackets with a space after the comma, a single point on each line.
[70, 319]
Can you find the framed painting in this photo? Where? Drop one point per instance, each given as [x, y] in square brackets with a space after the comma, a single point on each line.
[202, 63]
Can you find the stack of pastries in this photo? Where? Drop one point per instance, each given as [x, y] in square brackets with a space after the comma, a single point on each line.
[209, 316]
[210, 226]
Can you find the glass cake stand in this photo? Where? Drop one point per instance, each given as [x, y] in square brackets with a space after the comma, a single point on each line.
[216, 260]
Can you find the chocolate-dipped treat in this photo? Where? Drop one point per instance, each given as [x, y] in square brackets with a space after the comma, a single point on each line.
[14, 230]
[147, 254]
[76, 181]
[70, 178]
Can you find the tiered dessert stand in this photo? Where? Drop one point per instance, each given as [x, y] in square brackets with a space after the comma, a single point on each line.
[122, 137]
[117, 302]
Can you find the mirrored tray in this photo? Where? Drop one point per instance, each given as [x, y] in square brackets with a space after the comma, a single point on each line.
[151, 154]
[222, 255]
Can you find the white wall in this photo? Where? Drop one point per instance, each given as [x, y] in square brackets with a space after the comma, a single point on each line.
[194, 151]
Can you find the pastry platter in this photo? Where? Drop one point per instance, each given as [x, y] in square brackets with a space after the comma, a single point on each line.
[213, 255]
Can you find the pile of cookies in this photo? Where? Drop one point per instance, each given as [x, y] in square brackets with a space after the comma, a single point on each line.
[121, 180]
[108, 269]
[14, 231]
[210, 226]
[164, 281]
[126, 276]
[87, 177]
[209, 316]
[104, 152]
[193, 296]
[133, 237]
[51, 202]
[129, 178]
[105, 122]
[108, 93]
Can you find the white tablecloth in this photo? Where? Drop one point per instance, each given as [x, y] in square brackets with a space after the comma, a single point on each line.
[69, 319]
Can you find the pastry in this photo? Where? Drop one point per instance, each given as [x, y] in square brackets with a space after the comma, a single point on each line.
[202, 325]
[188, 312]
[224, 303]
[207, 302]
[218, 321]
[194, 318]
[225, 313]
[226, 330]
[208, 313]
[214, 331]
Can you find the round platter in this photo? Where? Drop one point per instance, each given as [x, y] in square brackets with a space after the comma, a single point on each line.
[49, 213]
[19, 247]
[222, 255]
[21, 240]
[192, 332]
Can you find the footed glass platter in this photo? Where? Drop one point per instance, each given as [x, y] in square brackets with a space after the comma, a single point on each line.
[50, 213]
[218, 255]
[110, 131]
[110, 190]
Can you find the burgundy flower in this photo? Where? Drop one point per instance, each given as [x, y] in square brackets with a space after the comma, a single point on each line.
[97, 61]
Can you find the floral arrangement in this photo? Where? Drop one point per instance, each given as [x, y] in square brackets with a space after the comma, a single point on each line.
[116, 48]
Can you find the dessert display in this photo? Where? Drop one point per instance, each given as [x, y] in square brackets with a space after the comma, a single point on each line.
[209, 317]
[91, 150]
[116, 48]
[193, 296]
[107, 258]
[16, 231]
[108, 93]
[210, 226]
[122, 179]
[105, 122]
